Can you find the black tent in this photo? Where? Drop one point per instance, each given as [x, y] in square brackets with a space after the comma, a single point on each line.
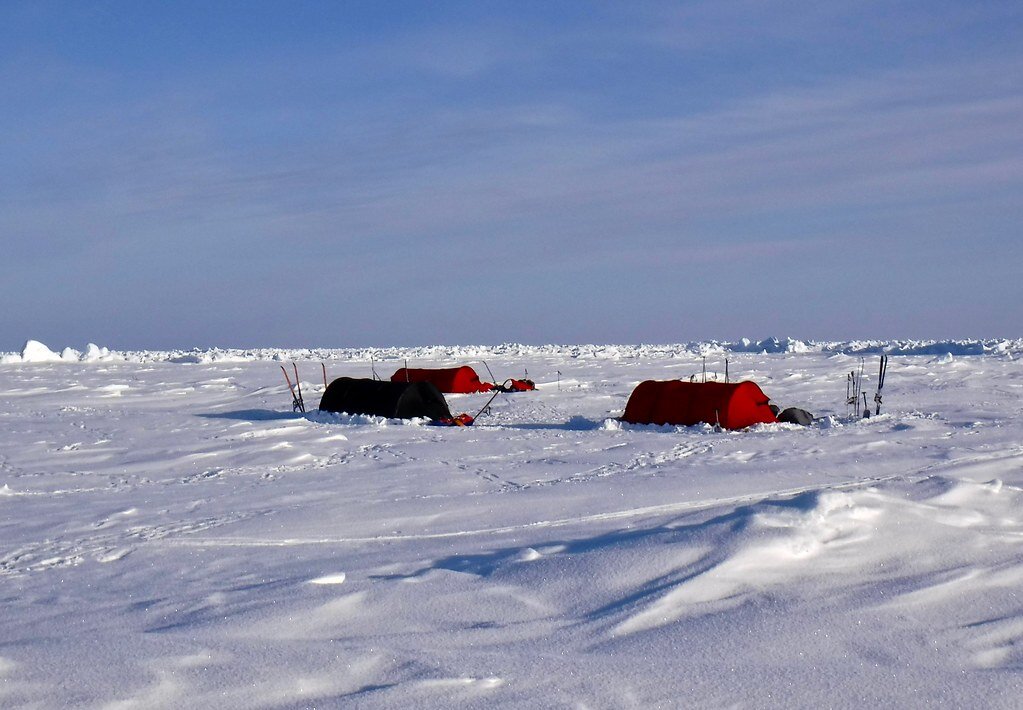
[394, 400]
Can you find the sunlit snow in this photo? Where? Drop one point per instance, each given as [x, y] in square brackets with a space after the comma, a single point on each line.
[173, 535]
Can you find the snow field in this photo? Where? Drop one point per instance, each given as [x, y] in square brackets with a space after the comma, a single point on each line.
[174, 536]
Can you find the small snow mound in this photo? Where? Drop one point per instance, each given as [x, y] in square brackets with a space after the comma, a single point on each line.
[114, 555]
[94, 353]
[611, 425]
[208, 357]
[34, 351]
[322, 417]
[963, 494]
[830, 501]
[828, 422]
[949, 347]
[771, 345]
[338, 578]
[528, 555]
[6, 491]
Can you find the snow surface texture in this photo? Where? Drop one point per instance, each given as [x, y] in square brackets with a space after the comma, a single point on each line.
[174, 536]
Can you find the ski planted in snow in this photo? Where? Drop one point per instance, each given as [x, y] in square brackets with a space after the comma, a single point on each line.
[882, 370]
[297, 405]
[298, 386]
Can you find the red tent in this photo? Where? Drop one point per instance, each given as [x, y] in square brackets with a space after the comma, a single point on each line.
[456, 380]
[732, 405]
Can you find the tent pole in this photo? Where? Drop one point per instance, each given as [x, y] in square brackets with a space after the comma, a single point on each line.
[492, 378]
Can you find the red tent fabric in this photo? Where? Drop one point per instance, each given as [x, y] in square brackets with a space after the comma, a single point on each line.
[451, 380]
[514, 385]
[732, 405]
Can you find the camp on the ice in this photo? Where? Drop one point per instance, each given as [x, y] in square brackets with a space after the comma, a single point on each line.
[450, 380]
[732, 405]
[458, 380]
[394, 400]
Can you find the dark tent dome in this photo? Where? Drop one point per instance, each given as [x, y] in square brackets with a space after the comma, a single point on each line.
[394, 400]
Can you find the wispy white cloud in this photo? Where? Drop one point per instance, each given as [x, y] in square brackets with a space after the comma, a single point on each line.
[539, 172]
[453, 150]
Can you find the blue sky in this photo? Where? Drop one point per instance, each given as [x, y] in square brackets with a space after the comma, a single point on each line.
[237, 174]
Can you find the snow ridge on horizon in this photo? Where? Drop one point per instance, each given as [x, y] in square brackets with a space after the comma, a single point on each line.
[35, 351]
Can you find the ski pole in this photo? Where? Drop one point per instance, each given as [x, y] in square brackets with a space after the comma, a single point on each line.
[492, 378]
[486, 406]
[848, 392]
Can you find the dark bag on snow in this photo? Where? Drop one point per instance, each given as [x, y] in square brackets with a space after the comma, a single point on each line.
[794, 415]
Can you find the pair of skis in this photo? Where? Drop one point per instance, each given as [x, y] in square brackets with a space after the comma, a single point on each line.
[854, 389]
[882, 370]
[297, 403]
